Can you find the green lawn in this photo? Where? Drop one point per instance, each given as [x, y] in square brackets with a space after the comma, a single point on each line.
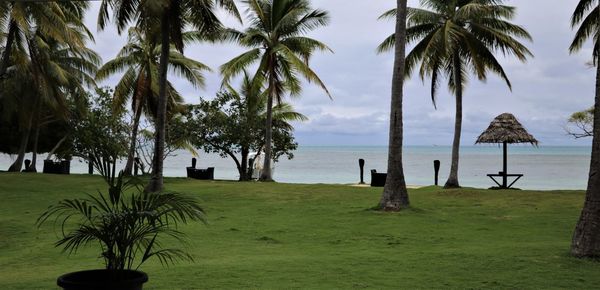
[273, 236]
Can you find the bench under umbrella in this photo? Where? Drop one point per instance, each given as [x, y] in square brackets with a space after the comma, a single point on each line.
[506, 129]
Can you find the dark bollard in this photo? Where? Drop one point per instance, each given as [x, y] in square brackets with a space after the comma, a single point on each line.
[361, 164]
[194, 162]
[436, 168]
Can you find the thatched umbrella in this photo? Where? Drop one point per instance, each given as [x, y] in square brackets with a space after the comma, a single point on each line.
[506, 129]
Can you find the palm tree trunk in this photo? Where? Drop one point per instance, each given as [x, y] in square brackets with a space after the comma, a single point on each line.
[132, 144]
[244, 166]
[18, 164]
[586, 239]
[452, 181]
[156, 181]
[34, 149]
[36, 137]
[12, 30]
[62, 140]
[266, 174]
[395, 194]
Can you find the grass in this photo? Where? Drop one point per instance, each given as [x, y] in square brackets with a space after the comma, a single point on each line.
[273, 236]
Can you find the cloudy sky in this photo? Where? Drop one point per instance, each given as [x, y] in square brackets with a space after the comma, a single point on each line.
[546, 89]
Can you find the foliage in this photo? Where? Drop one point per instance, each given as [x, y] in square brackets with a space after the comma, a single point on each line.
[459, 36]
[277, 43]
[169, 19]
[233, 124]
[128, 227]
[178, 138]
[583, 123]
[138, 63]
[585, 20]
[100, 134]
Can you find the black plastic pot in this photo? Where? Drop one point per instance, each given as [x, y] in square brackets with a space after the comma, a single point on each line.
[103, 280]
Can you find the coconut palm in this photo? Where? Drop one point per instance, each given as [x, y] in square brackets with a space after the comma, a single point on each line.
[172, 17]
[59, 73]
[454, 38]
[51, 18]
[54, 68]
[276, 42]
[139, 83]
[586, 239]
[395, 194]
[254, 99]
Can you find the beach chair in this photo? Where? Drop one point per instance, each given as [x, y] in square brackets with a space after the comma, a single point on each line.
[378, 179]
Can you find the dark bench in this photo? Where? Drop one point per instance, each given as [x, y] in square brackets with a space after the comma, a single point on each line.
[202, 174]
[57, 167]
[504, 178]
[378, 179]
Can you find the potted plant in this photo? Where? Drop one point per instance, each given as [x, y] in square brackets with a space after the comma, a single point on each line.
[127, 224]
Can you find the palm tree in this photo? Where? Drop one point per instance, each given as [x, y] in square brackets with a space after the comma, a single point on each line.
[54, 66]
[51, 18]
[253, 100]
[139, 83]
[586, 239]
[59, 73]
[276, 42]
[175, 16]
[395, 194]
[454, 38]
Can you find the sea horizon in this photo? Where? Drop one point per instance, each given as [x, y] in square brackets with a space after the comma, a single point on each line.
[550, 167]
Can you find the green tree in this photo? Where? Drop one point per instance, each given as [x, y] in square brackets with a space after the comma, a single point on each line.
[454, 38]
[99, 133]
[174, 17]
[583, 122]
[276, 42]
[138, 61]
[586, 238]
[232, 124]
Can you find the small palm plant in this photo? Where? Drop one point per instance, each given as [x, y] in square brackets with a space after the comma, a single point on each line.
[127, 223]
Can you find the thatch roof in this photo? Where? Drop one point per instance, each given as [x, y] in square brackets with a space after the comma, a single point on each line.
[506, 128]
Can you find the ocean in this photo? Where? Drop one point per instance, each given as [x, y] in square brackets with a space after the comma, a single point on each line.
[545, 167]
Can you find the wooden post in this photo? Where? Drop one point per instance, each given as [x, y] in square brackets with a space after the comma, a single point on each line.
[505, 166]
[436, 170]
[361, 164]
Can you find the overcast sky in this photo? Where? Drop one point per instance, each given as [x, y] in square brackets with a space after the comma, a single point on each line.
[546, 89]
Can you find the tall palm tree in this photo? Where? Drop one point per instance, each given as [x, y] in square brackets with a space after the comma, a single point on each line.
[586, 238]
[395, 194]
[138, 59]
[59, 73]
[276, 42]
[456, 37]
[173, 16]
[53, 66]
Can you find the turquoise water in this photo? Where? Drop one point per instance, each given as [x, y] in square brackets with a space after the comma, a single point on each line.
[546, 167]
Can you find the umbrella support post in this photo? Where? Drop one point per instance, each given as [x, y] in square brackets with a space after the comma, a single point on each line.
[505, 165]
